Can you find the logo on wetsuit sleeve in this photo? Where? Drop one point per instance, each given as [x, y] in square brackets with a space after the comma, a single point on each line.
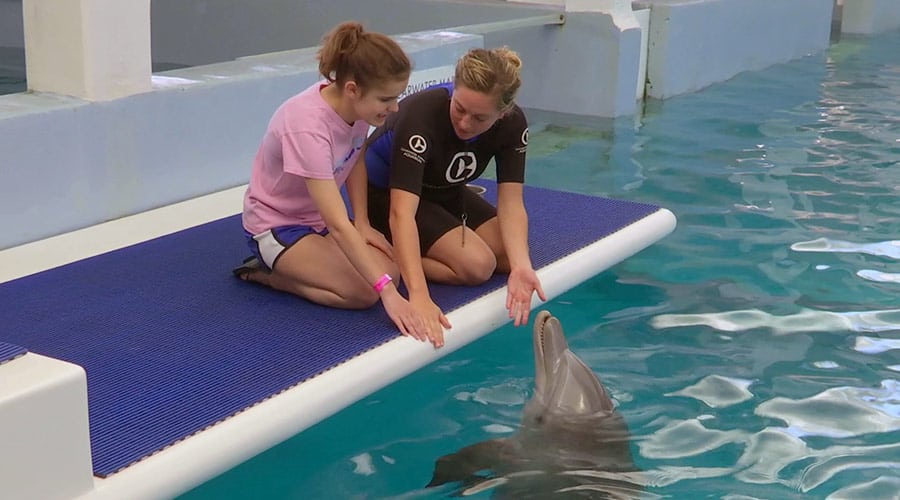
[461, 167]
[416, 146]
[524, 146]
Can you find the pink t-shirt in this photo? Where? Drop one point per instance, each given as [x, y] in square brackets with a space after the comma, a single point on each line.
[306, 138]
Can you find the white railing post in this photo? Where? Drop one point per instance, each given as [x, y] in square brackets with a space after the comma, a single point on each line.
[97, 50]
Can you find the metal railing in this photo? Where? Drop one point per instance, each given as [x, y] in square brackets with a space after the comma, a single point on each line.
[511, 24]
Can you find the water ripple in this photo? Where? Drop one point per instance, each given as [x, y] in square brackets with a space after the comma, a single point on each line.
[882, 249]
[807, 320]
[498, 429]
[768, 452]
[717, 391]
[363, 464]
[670, 474]
[772, 456]
[687, 438]
[882, 488]
[510, 393]
[839, 412]
[872, 345]
[878, 276]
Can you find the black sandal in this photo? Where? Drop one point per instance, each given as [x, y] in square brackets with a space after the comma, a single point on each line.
[250, 265]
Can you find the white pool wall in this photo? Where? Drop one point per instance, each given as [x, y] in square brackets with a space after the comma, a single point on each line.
[70, 163]
[88, 161]
[867, 17]
[695, 43]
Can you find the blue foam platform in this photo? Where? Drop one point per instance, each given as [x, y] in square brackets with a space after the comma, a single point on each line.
[10, 351]
[172, 343]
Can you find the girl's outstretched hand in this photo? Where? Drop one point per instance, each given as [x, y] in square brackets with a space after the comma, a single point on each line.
[434, 318]
[408, 320]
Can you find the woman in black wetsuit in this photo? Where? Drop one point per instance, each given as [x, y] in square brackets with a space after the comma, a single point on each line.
[419, 163]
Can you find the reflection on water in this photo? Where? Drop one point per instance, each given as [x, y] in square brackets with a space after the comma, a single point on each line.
[718, 391]
[804, 321]
[839, 411]
[882, 248]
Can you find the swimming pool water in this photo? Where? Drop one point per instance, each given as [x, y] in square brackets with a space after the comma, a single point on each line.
[12, 70]
[754, 353]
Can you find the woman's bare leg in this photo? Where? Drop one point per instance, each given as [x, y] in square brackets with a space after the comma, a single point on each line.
[451, 262]
[489, 232]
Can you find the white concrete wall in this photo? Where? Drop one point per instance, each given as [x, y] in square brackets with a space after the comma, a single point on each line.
[193, 32]
[72, 163]
[69, 163]
[643, 19]
[694, 43]
[590, 66]
[75, 163]
[870, 16]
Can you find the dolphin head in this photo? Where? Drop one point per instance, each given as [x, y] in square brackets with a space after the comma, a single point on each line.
[571, 442]
[564, 385]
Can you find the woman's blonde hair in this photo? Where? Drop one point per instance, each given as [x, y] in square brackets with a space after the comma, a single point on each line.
[491, 71]
[349, 52]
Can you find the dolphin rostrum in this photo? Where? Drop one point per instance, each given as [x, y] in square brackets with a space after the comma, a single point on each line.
[571, 444]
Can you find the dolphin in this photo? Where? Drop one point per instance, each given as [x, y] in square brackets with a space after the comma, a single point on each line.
[572, 443]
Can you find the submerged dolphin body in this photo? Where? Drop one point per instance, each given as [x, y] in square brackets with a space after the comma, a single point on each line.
[571, 444]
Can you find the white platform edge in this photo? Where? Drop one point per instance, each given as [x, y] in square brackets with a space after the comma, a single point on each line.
[63, 249]
[213, 451]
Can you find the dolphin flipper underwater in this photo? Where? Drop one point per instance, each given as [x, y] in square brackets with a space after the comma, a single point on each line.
[572, 443]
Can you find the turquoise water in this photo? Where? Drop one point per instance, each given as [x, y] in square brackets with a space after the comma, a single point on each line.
[754, 352]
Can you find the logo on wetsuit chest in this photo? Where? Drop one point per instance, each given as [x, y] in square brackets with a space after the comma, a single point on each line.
[462, 166]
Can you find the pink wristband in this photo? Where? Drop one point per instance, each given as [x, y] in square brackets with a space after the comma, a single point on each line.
[381, 283]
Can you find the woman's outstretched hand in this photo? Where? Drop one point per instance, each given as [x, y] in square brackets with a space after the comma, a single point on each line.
[521, 285]
[376, 239]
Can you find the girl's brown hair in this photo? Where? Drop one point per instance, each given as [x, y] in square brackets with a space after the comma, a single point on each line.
[491, 71]
[349, 52]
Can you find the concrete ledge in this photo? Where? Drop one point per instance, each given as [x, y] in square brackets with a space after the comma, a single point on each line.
[44, 429]
[694, 43]
[70, 163]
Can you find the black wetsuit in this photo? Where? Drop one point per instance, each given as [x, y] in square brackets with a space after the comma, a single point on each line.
[418, 151]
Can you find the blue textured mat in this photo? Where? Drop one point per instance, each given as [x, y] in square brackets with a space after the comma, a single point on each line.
[173, 343]
[10, 351]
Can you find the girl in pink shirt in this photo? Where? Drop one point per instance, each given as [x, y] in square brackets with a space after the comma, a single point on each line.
[297, 225]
